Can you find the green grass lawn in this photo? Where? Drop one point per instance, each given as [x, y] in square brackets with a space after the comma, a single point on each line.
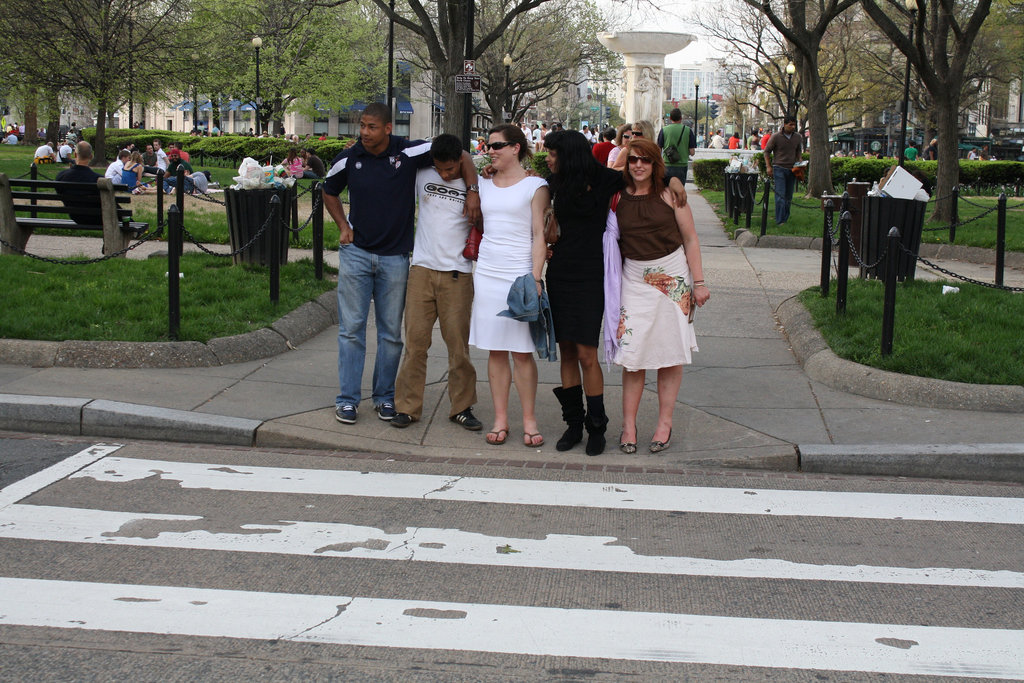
[126, 300]
[973, 336]
[808, 222]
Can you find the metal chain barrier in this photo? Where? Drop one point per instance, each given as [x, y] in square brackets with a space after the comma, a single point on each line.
[206, 197]
[962, 223]
[84, 262]
[296, 231]
[259, 233]
[958, 276]
[856, 255]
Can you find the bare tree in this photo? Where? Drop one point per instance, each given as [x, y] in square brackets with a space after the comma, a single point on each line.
[804, 25]
[944, 36]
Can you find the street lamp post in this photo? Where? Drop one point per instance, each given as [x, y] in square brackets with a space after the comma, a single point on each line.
[257, 43]
[696, 101]
[507, 61]
[911, 5]
[707, 120]
[790, 70]
[195, 91]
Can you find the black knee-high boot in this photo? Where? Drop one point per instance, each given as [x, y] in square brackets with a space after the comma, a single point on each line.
[571, 399]
[596, 422]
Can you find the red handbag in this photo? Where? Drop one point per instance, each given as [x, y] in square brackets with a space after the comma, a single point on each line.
[472, 248]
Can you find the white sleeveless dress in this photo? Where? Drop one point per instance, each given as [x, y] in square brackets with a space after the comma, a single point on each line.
[505, 254]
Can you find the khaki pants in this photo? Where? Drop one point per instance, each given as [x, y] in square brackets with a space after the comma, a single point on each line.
[433, 295]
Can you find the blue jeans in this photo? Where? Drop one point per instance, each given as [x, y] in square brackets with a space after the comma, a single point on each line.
[361, 276]
[785, 183]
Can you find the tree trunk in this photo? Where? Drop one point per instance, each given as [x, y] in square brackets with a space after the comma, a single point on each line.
[819, 171]
[31, 115]
[948, 174]
[99, 147]
[53, 111]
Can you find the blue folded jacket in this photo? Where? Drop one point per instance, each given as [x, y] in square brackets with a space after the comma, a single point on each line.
[524, 305]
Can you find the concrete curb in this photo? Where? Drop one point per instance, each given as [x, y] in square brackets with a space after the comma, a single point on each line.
[999, 461]
[88, 417]
[288, 331]
[822, 365]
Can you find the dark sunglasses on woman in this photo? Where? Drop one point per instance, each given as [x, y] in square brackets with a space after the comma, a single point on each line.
[639, 160]
[499, 145]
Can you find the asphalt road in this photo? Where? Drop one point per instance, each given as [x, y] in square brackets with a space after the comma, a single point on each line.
[154, 561]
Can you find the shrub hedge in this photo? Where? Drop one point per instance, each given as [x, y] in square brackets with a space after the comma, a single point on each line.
[227, 147]
[707, 173]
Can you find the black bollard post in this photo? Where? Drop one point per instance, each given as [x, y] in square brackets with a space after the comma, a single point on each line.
[826, 247]
[956, 214]
[764, 208]
[173, 268]
[33, 174]
[179, 200]
[274, 230]
[1001, 239]
[295, 213]
[318, 231]
[843, 275]
[160, 200]
[748, 207]
[889, 305]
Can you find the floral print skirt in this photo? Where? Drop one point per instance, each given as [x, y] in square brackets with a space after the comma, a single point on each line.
[654, 315]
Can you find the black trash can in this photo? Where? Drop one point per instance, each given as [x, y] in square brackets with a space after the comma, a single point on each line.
[880, 214]
[247, 212]
[740, 195]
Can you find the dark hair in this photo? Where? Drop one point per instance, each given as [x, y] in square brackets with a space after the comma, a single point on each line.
[788, 119]
[446, 147]
[676, 114]
[577, 167]
[514, 135]
[378, 111]
[608, 134]
[650, 149]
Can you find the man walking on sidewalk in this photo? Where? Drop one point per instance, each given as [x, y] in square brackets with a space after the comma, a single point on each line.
[440, 288]
[784, 149]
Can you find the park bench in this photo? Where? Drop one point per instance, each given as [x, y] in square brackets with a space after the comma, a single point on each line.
[98, 207]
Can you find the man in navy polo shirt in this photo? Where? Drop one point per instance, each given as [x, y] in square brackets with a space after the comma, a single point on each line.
[373, 255]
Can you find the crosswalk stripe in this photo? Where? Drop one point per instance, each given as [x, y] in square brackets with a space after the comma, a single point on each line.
[770, 502]
[554, 551]
[24, 488]
[604, 634]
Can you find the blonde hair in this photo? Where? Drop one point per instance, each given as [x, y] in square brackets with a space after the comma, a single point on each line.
[646, 129]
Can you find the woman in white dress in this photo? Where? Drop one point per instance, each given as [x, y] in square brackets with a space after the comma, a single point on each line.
[513, 245]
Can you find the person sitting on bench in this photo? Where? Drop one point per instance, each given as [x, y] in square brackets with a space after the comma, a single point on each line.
[79, 172]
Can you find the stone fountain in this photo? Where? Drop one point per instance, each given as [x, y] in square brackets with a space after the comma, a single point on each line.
[644, 53]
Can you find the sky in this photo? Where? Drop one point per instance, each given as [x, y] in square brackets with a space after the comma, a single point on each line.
[668, 16]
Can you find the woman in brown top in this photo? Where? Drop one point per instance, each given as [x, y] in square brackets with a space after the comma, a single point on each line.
[662, 278]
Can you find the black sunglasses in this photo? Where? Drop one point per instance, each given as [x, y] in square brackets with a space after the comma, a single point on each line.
[499, 145]
[639, 160]
[638, 134]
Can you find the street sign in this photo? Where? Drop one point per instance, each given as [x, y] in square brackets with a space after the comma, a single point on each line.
[469, 66]
[465, 83]
[594, 108]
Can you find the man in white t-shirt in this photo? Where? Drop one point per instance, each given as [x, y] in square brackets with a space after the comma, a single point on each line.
[65, 153]
[440, 287]
[116, 166]
[44, 154]
[161, 155]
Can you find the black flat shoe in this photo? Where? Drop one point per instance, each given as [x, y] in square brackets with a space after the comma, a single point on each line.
[659, 446]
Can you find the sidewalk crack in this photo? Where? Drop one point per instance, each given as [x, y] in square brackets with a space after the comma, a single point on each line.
[341, 608]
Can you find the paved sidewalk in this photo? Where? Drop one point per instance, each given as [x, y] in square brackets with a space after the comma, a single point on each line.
[745, 402]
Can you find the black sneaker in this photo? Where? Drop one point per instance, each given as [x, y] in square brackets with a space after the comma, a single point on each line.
[402, 420]
[467, 420]
[346, 414]
[386, 411]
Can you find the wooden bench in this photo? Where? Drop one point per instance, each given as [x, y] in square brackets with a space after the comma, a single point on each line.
[97, 207]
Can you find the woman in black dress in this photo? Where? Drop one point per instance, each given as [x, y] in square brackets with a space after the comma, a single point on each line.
[575, 278]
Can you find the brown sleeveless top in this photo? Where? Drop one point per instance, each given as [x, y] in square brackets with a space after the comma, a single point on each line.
[647, 227]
